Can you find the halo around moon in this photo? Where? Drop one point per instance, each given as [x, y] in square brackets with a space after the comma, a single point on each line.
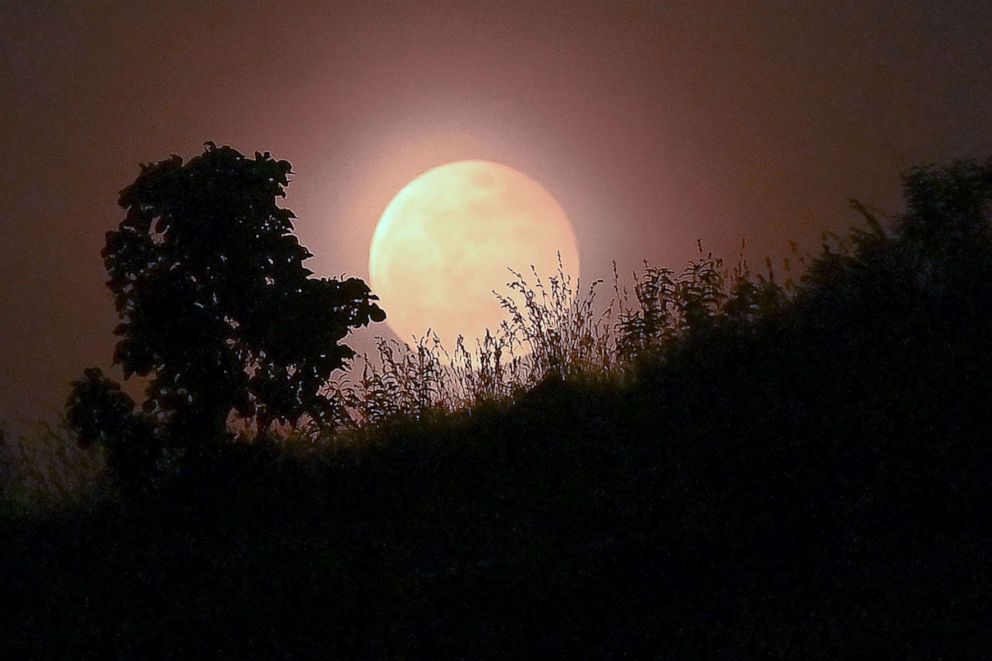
[447, 240]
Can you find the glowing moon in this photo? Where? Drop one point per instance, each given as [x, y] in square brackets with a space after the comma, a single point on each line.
[444, 243]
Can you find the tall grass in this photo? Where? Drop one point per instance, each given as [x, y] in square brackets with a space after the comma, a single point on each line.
[554, 329]
[46, 469]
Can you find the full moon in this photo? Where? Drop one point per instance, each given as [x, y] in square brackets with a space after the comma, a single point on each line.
[447, 240]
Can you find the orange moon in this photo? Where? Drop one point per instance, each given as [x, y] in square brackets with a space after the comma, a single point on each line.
[445, 242]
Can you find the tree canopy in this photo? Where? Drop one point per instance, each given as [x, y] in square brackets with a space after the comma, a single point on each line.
[216, 306]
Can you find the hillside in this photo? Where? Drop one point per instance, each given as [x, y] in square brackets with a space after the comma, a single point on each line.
[797, 471]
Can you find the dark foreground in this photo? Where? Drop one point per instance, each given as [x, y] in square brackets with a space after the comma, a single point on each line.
[811, 480]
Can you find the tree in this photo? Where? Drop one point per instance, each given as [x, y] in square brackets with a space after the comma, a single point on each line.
[100, 412]
[216, 307]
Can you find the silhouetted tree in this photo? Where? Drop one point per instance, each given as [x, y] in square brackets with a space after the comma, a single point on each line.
[216, 305]
[100, 412]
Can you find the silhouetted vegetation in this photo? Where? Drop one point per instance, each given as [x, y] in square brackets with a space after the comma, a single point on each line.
[217, 307]
[716, 464]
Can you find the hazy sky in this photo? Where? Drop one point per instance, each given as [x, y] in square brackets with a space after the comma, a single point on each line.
[654, 124]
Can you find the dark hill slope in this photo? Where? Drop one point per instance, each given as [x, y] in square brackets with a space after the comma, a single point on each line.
[806, 478]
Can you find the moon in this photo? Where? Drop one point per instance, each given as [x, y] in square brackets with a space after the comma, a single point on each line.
[447, 240]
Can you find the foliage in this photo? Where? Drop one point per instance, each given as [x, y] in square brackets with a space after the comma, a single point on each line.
[99, 412]
[217, 308]
[935, 252]
[773, 470]
[551, 332]
[557, 327]
[555, 332]
[45, 470]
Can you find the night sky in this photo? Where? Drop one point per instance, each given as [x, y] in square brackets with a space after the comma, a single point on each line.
[653, 124]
